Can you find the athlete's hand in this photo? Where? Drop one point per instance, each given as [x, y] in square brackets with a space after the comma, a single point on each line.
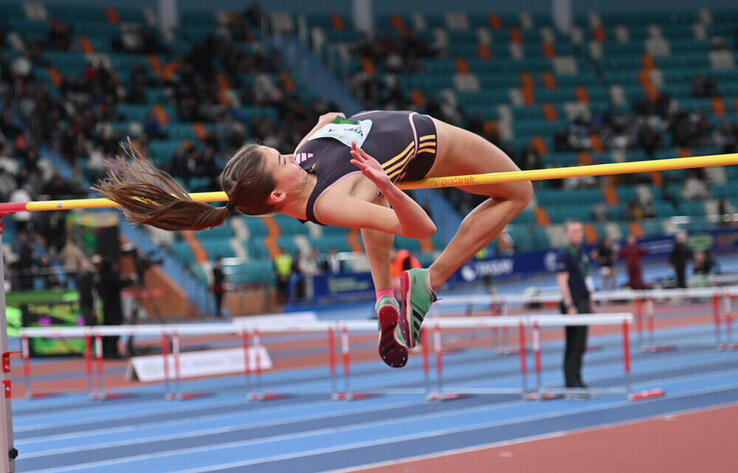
[370, 167]
[329, 117]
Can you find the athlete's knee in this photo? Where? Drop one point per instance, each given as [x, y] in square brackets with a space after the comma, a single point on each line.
[523, 195]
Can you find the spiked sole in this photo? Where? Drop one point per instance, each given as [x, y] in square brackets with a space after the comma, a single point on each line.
[390, 350]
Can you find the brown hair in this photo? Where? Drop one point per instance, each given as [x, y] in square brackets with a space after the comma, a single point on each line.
[148, 195]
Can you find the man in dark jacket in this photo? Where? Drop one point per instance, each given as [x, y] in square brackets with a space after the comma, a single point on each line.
[109, 286]
[679, 257]
[575, 283]
[84, 280]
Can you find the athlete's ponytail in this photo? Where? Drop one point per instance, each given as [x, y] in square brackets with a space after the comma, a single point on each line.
[148, 195]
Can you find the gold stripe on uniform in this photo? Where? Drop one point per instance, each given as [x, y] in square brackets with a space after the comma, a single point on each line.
[399, 166]
[429, 145]
[389, 163]
[427, 137]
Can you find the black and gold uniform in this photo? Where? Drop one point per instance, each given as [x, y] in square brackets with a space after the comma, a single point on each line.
[404, 143]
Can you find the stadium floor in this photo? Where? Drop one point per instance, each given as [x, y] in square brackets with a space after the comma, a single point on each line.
[306, 431]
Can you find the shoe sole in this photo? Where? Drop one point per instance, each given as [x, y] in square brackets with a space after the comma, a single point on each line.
[390, 350]
[406, 315]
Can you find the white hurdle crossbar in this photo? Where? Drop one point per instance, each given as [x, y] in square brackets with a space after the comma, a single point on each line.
[333, 329]
[643, 307]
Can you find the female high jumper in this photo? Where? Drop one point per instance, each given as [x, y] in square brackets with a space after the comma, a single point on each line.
[343, 173]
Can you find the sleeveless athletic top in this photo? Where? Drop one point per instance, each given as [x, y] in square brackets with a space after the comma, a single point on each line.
[404, 143]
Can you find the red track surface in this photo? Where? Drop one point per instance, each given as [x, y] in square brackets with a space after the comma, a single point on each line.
[702, 441]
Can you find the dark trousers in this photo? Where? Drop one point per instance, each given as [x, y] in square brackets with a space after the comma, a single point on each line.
[576, 345]
[218, 302]
[681, 275]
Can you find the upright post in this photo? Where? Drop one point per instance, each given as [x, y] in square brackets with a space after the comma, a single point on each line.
[523, 361]
[626, 358]
[7, 448]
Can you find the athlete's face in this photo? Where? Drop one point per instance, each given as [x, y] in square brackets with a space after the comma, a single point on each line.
[288, 175]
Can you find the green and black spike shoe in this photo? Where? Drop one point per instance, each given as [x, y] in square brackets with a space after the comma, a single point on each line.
[416, 297]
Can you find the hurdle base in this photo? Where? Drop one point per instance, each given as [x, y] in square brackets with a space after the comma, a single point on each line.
[184, 396]
[444, 396]
[351, 396]
[728, 346]
[657, 348]
[108, 396]
[508, 351]
[543, 396]
[647, 394]
[41, 395]
[265, 396]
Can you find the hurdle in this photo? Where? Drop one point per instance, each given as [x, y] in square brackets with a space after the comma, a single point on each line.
[643, 308]
[433, 389]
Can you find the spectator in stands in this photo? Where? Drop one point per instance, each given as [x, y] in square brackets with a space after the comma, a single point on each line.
[7, 183]
[704, 86]
[604, 255]
[725, 212]
[694, 188]
[71, 256]
[331, 263]
[635, 210]
[219, 283]
[84, 282]
[633, 254]
[307, 268]
[401, 260]
[59, 36]
[109, 284]
[702, 269]
[283, 267]
[575, 285]
[680, 255]
[26, 261]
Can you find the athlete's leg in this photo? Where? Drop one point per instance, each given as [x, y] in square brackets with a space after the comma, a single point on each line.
[462, 152]
[378, 247]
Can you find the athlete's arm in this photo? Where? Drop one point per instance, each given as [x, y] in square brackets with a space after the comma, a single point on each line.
[322, 121]
[406, 218]
[352, 212]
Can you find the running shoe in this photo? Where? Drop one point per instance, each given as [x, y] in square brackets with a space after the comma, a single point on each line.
[416, 297]
[390, 349]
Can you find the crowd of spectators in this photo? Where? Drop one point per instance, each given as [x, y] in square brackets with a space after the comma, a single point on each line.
[647, 126]
[74, 120]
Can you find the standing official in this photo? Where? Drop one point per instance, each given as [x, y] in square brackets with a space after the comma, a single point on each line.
[575, 284]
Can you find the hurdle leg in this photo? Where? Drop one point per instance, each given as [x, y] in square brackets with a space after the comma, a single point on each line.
[165, 360]
[537, 355]
[246, 360]
[523, 361]
[716, 318]
[638, 309]
[426, 363]
[332, 362]
[177, 371]
[345, 353]
[27, 365]
[626, 359]
[88, 364]
[100, 395]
